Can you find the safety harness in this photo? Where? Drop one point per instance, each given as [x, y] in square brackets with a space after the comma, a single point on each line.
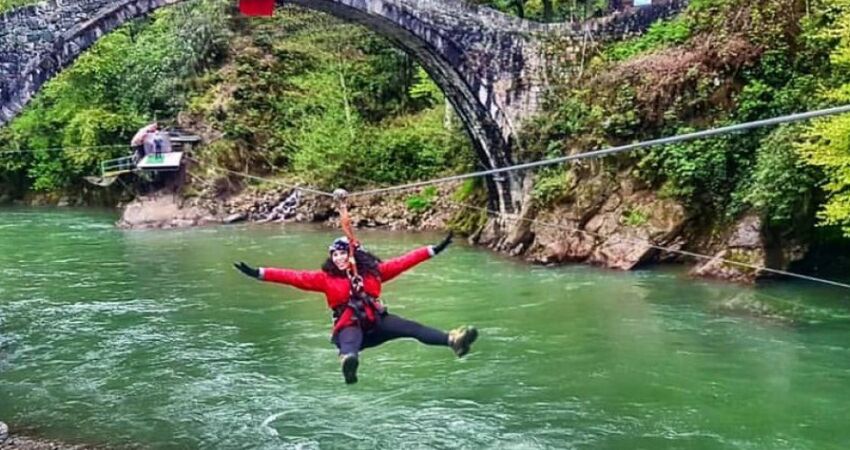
[361, 306]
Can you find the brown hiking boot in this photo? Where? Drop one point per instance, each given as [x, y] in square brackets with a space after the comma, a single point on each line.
[460, 339]
[349, 368]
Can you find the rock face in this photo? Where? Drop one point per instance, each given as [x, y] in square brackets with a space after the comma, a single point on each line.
[387, 211]
[748, 247]
[614, 222]
[617, 232]
[627, 230]
[431, 211]
[744, 246]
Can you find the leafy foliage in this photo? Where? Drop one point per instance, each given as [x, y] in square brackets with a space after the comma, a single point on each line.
[826, 143]
[7, 5]
[659, 35]
[635, 217]
[423, 201]
[551, 185]
[127, 79]
[332, 103]
[701, 172]
[781, 186]
[719, 63]
[425, 89]
[550, 10]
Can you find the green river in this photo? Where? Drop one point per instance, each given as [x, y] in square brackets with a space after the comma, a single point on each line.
[150, 339]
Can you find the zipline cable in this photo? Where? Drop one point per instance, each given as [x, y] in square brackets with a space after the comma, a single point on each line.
[59, 149]
[598, 153]
[614, 150]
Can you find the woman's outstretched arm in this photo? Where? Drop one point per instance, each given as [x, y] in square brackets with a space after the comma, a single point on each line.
[396, 266]
[308, 280]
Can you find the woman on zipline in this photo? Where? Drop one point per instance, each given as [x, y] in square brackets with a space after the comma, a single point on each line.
[351, 280]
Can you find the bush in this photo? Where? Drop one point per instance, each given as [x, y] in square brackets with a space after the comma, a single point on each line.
[6, 5]
[659, 35]
[347, 109]
[423, 201]
[701, 173]
[635, 217]
[551, 185]
[781, 187]
[826, 145]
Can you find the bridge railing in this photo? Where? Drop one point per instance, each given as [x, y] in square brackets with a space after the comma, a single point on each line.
[117, 166]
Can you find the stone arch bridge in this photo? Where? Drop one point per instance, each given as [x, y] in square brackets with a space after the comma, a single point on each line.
[490, 65]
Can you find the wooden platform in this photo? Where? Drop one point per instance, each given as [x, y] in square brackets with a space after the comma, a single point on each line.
[165, 161]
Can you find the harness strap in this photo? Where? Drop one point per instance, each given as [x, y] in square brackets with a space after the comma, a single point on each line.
[361, 305]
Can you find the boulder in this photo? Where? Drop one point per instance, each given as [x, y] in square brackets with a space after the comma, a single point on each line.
[632, 230]
[235, 217]
[162, 211]
[617, 231]
[558, 239]
[743, 252]
[184, 223]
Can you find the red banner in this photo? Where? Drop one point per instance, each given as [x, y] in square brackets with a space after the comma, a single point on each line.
[256, 7]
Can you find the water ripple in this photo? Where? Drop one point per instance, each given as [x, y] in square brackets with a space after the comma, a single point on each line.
[151, 338]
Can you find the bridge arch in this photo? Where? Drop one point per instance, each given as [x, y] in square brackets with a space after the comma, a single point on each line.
[489, 65]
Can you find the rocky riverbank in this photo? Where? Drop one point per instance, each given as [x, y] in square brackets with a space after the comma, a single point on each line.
[14, 441]
[608, 222]
[395, 212]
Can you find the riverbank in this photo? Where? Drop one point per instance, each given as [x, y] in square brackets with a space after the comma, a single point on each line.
[13, 441]
[430, 211]
[608, 222]
[611, 224]
[28, 443]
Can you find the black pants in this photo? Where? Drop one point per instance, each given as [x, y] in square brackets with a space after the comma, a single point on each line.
[351, 340]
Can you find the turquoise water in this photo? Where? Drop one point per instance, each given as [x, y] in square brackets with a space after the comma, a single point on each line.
[151, 339]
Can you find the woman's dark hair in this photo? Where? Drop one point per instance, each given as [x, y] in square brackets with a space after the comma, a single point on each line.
[367, 264]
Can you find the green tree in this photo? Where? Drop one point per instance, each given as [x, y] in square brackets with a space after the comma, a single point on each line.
[826, 142]
[781, 186]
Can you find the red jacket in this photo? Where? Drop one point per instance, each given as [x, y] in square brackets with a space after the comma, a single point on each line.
[336, 289]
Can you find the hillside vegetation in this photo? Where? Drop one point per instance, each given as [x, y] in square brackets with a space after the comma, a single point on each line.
[307, 97]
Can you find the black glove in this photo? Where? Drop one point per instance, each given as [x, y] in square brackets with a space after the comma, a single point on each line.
[442, 245]
[247, 270]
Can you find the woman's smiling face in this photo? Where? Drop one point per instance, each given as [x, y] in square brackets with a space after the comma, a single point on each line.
[340, 259]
